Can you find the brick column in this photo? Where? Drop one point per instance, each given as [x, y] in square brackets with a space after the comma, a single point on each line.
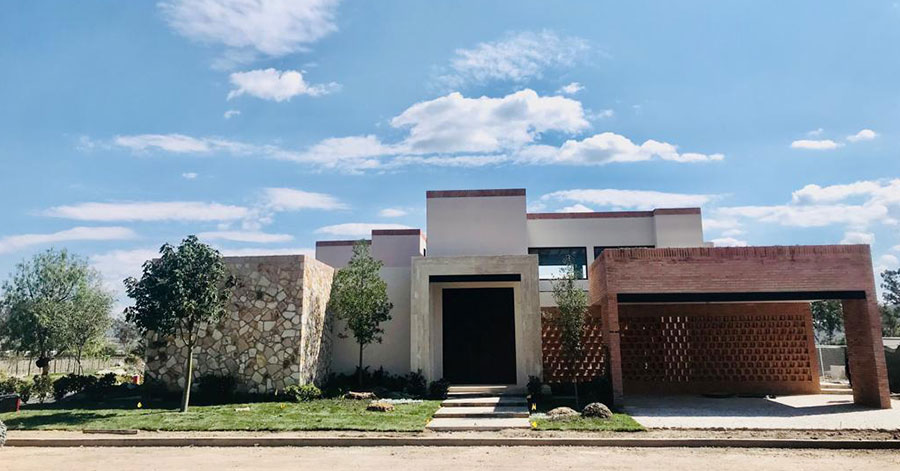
[610, 315]
[862, 326]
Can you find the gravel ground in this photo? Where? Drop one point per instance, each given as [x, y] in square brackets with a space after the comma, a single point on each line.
[435, 459]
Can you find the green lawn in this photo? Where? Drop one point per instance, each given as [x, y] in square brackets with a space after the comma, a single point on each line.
[324, 414]
[617, 423]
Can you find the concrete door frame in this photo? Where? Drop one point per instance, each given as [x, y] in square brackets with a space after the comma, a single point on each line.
[426, 342]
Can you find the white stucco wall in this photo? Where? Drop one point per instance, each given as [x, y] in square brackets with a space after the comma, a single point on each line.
[482, 225]
[678, 230]
[397, 250]
[393, 352]
[336, 256]
[590, 232]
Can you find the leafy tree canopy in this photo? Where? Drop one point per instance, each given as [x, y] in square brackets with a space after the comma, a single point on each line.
[54, 303]
[828, 320]
[185, 287]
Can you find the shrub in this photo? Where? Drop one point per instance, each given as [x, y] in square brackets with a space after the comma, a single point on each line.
[13, 385]
[216, 388]
[43, 387]
[438, 389]
[72, 383]
[303, 393]
[416, 384]
[534, 386]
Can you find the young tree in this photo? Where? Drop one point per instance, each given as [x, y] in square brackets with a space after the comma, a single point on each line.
[86, 327]
[890, 310]
[359, 297]
[828, 320]
[185, 287]
[53, 303]
[572, 303]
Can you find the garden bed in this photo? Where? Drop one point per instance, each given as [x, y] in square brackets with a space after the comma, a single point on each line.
[619, 422]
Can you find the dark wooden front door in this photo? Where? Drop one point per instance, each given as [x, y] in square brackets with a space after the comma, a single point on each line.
[479, 336]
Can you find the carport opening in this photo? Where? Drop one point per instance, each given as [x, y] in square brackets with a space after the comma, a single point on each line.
[731, 343]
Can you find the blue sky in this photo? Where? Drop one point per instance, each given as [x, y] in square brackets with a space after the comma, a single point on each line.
[267, 125]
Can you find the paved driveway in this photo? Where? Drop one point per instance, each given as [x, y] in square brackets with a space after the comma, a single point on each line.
[812, 412]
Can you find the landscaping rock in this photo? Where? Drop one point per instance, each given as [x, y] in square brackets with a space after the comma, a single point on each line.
[380, 406]
[360, 396]
[561, 413]
[596, 409]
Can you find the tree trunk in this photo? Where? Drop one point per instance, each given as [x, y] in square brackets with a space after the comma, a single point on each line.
[577, 402]
[188, 377]
[359, 370]
[78, 362]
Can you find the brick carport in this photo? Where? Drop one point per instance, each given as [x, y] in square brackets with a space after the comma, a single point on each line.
[710, 276]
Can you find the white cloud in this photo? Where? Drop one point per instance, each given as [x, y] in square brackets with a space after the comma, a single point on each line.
[863, 135]
[815, 132]
[721, 223]
[630, 199]
[177, 143]
[275, 85]
[357, 229]
[610, 147]
[602, 114]
[517, 57]
[449, 131]
[289, 199]
[392, 212]
[886, 262]
[116, 265]
[576, 208]
[809, 216]
[852, 237]
[149, 211]
[571, 88]
[728, 242]
[245, 236]
[189, 175]
[247, 27]
[833, 193]
[454, 123]
[16, 242]
[231, 113]
[810, 144]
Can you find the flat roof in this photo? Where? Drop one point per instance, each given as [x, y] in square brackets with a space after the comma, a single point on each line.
[614, 214]
[474, 193]
[333, 243]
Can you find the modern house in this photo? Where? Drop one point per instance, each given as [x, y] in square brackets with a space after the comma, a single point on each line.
[473, 304]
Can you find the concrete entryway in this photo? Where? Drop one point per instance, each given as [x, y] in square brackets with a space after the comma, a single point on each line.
[808, 412]
[481, 408]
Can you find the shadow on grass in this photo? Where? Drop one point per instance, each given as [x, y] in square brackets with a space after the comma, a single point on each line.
[67, 418]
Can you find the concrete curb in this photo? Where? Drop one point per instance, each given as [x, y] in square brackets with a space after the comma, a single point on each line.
[447, 441]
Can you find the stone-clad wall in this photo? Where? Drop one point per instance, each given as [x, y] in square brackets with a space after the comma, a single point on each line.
[275, 332]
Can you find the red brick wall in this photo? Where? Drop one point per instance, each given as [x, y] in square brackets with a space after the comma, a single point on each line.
[558, 369]
[702, 348]
[751, 269]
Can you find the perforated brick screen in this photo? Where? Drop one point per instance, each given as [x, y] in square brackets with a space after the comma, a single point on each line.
[735, 348]
[558, 369]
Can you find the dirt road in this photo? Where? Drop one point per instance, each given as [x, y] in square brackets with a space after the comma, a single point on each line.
[436, 458]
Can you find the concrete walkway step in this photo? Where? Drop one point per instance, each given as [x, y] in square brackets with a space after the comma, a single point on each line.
[495, 401]
[494, 424]
[836, 391]
[476, 390]
[482, 412]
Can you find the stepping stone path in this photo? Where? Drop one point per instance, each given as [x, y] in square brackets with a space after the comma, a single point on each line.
[481, 408]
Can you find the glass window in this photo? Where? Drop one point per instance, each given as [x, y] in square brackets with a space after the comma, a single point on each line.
[552, 261]
[599, 250]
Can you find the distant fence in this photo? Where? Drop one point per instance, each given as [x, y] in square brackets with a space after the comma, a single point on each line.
[24, 366]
